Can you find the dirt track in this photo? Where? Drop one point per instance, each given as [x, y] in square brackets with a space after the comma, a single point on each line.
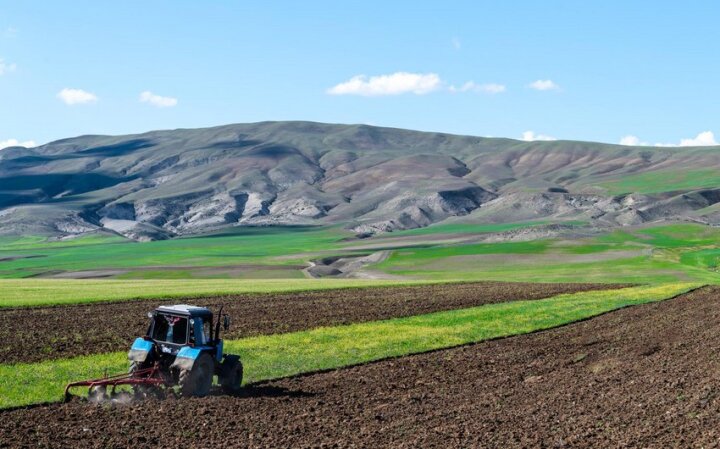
[645, 377]
[31, 335]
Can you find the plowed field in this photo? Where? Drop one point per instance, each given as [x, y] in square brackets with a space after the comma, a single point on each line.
[35, 334]
[646, 377]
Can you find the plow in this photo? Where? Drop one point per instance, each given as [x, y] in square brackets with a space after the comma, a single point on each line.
[141, 381]
[182, 350]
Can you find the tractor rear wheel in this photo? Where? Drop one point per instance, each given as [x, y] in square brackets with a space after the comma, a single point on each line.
[139, 390]
[198, 380]
[231, 374]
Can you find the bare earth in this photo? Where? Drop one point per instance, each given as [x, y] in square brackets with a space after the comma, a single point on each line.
[29, 335]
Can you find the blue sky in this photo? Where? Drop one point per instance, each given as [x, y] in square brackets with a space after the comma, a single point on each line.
[585, 70]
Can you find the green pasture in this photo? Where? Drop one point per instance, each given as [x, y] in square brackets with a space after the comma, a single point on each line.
[245, 245]
[664, 253]
[273, 256]
[661, 181]
[47, 292]
[275, 356]
[466, 228]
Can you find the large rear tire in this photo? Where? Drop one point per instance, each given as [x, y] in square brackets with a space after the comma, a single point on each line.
[231, 374]
[197, 381]
[140, 391]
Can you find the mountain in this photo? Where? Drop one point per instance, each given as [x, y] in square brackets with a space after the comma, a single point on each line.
[370, 179]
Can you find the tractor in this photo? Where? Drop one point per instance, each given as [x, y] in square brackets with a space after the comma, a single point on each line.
[181, 349]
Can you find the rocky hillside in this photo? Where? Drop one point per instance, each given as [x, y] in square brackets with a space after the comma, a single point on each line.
[167, 183]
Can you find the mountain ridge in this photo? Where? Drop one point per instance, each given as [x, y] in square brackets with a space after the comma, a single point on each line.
[167, 183]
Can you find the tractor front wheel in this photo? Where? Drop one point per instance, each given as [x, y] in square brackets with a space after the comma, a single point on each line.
[231, 374]
[198, 380]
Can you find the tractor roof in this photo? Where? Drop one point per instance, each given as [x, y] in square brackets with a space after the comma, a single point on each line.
[184, 309]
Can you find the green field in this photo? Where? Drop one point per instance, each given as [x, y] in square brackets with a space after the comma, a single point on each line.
[272, 246]
[466, 228]
[666, 253]
[661, 181]
[274, 356]
[47, 292]
[272, 259]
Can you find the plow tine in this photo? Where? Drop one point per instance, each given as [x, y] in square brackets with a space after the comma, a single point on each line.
[97, 388]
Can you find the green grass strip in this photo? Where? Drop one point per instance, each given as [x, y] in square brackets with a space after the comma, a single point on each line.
[46, 292]
[274, 356]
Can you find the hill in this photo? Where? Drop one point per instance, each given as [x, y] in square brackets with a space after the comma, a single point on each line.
[163, 184]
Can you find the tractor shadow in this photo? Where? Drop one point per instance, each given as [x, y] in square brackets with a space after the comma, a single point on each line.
[265, 391]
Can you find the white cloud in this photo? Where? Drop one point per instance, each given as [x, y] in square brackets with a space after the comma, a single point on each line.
[76, 96]
[703, 139]
[16, 143]
[492, 88]
[456, 43]
[6, 67]
[632, 141]
[157, 100]
[530, 136]
[10, 32]
[544, 85]
[393, 84]
[471, 86]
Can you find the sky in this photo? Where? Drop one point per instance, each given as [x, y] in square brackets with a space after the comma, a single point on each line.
[632, 72]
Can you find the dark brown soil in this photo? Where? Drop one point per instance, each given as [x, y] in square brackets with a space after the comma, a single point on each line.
[30, 335]
[642, 377]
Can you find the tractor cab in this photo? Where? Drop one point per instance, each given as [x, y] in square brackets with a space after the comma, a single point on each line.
[173, 327]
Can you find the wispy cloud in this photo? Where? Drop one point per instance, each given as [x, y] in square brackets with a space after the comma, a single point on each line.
[544, 85]
[393, 84]
[530, 136]
[6, 67]
[76, 96]
[408, 83]
[16, 143]
[157, 100]
[9, 32]
[703, 139]
[471, 86]
[456, 43]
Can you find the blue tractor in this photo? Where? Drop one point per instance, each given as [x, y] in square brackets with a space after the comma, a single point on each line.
[182, 348]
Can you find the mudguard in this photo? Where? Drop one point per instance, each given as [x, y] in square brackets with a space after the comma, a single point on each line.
[185, 359]
[139, 350]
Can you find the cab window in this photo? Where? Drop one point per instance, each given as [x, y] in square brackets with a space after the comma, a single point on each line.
[196, 336]
[199, 331]
[170, 329]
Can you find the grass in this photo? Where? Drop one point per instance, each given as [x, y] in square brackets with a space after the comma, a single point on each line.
[274, 356]
[662, 181]
[659, 254]
[666, 236]
[246, 245]
[47, 292]
[413, 256]
[466, 228]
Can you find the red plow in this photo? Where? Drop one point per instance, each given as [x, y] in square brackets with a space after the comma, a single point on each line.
[141, 381]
